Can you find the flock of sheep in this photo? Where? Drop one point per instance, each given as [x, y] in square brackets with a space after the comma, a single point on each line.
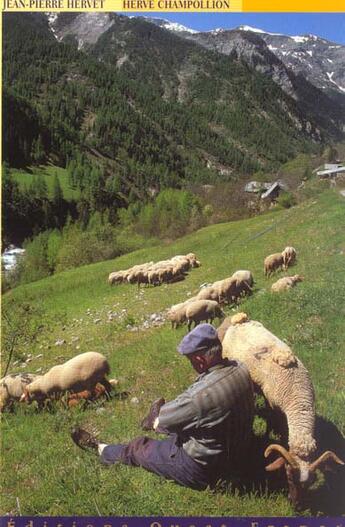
[151, 273]
[206, 305]
[275, 370]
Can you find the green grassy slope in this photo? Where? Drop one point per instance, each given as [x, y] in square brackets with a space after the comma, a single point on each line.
[49, 475]
[25, 178]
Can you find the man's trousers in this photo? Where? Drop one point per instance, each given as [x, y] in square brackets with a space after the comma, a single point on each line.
[163, 457]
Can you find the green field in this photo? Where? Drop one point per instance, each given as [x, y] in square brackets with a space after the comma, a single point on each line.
[45, 473]
[25, 178]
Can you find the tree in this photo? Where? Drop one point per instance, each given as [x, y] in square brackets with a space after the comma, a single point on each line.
[12, 204]
[38, 188]
[57, 191]
[330, 154]
[37, 150]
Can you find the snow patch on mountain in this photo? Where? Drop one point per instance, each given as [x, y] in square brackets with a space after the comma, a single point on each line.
[300, 39]
[216, 31]
[256, 30]
[171, 26]
[174, 26]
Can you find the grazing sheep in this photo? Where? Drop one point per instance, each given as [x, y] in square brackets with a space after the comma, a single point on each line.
[177, 313]
[116, 278]
[273, 262]
[82, 372]
[283, 284]
[208, 293]
[153, 277]
[193, 260]
[177, 316]
[287, 387]
[164, 271]
[289, 256]
[89, 395]
[12, 388]
[142, 278]
[230, 290]
[132, 277]
[244, 277]
[200, 310]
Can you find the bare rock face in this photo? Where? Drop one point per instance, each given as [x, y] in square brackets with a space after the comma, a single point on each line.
[319, 61]
[85, 28]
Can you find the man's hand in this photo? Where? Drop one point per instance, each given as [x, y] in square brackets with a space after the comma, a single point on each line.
[148, 421]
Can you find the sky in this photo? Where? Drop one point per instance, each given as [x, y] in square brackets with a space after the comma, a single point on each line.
[330, 26]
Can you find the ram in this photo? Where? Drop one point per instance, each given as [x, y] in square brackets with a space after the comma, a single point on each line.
[287, 387]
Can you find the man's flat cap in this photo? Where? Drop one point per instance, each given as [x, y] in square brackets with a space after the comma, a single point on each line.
[200, 338]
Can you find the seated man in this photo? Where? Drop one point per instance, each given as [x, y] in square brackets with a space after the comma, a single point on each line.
[209, 425]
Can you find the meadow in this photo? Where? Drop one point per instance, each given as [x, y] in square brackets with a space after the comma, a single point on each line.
[25, 178]
[43, 472]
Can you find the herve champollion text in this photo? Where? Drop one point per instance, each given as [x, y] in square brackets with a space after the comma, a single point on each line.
[176, 4]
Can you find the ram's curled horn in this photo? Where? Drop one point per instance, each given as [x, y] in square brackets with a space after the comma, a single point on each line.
[323, 458]
[276, 465]
[283, 452]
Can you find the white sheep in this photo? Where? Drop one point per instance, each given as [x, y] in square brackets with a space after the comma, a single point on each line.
[177, 316]
[200, 310]
[177, 312]
[289, 256]
[286, 283]
[156, 273]
[245, 277]
[209, 293]
[12, 388]
[287, 386]
[82, 372]
[117, 277]
[273, 262]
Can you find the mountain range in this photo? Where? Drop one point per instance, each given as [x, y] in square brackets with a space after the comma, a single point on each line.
[161, 104]
[320, 61]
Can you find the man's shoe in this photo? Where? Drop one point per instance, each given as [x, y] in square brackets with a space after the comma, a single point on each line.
[84, 439]
[147, 422]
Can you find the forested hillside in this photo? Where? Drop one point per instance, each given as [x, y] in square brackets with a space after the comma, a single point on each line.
[138, 111]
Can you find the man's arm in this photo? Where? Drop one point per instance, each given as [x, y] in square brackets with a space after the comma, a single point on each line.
[178, 415]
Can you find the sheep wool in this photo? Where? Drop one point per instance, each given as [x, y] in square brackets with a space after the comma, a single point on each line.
[286, 283]
[12, 387]
[82, 372]
[202, 310]
[281, 376]
[273, 262]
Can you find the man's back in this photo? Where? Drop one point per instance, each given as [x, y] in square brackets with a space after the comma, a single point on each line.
[213, 418]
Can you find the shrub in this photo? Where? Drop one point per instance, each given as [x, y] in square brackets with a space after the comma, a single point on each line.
[34, 265]
[172, 214]
[53, 247]
[286, 200]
